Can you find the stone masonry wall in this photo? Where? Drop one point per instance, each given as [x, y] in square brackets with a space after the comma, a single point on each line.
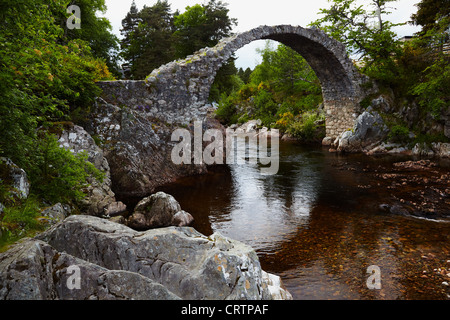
[340, 116]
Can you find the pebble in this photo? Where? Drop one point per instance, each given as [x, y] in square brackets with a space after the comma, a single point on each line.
[445, 283]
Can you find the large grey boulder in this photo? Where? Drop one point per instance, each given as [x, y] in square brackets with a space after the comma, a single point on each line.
[15, 177]
[34, 270]
[158, 210]
[99, 193]
[137, 144]
[116, 262]
[15, 180]
[369, 130]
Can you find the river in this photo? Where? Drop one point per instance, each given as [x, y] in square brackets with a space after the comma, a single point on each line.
[319, 226]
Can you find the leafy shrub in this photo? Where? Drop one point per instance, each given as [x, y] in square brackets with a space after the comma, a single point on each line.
[285, 121]
[433, 91]
[306, 127]
[43, 76]
[56, 174]
[19, 221]
[227, 111]
[265, 106]
[399, 134]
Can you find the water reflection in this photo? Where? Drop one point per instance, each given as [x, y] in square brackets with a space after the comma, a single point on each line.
[317, 224]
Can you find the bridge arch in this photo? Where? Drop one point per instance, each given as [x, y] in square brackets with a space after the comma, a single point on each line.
[186, 83]
[177, 92]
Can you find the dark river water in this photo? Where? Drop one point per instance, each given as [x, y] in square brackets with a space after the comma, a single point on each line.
[317, 224]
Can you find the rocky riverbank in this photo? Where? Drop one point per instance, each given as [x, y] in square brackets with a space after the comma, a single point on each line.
[415, 188]
[372, 135]
[86, 257]
[148, 252]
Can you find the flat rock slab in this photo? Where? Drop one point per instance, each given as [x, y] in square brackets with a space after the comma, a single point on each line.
[116, 262]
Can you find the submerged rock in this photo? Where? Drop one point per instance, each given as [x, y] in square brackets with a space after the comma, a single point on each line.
[86, 257]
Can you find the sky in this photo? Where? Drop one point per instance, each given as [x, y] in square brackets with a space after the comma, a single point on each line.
[253, 13]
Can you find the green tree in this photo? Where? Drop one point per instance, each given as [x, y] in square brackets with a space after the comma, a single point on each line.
[201, 26]
[147, 43]
[245, 74]
[43, 76]
[282, 86]
[430, 12]
[155, 30]
[95, 30]
[189, 34]
[128, 45]
[431, 85]
[366, 34]
[289, 74]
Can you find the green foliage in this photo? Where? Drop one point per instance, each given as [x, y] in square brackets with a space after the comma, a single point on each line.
[399, 134]
[96, 31]
[265, 106]
[307, 127]
[189, 30]
[201, 26]
[147, 42]
[282, 84]
[365, 34]
[429, 12]
[20, 221]
[227, 111]
[47, 75]
[245, 75]
[426, 63]
[225, 82]
[40, 80]
[417, 70]
[433, 92]
[286, 70]
[56, 174]
[154, 36]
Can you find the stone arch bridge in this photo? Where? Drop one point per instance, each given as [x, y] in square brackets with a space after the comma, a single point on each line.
[134, 120]
[177, 92]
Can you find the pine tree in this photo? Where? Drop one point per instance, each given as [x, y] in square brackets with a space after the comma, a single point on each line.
[129, 48]
[155, 35]
[147, 38]
[201, 26]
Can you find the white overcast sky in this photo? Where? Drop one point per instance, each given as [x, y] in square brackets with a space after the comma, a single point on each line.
[253, 13]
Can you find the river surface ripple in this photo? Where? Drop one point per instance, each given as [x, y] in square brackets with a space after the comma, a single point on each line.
[318, 224]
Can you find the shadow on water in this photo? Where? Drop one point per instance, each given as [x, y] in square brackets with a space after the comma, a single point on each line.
[318, 224]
